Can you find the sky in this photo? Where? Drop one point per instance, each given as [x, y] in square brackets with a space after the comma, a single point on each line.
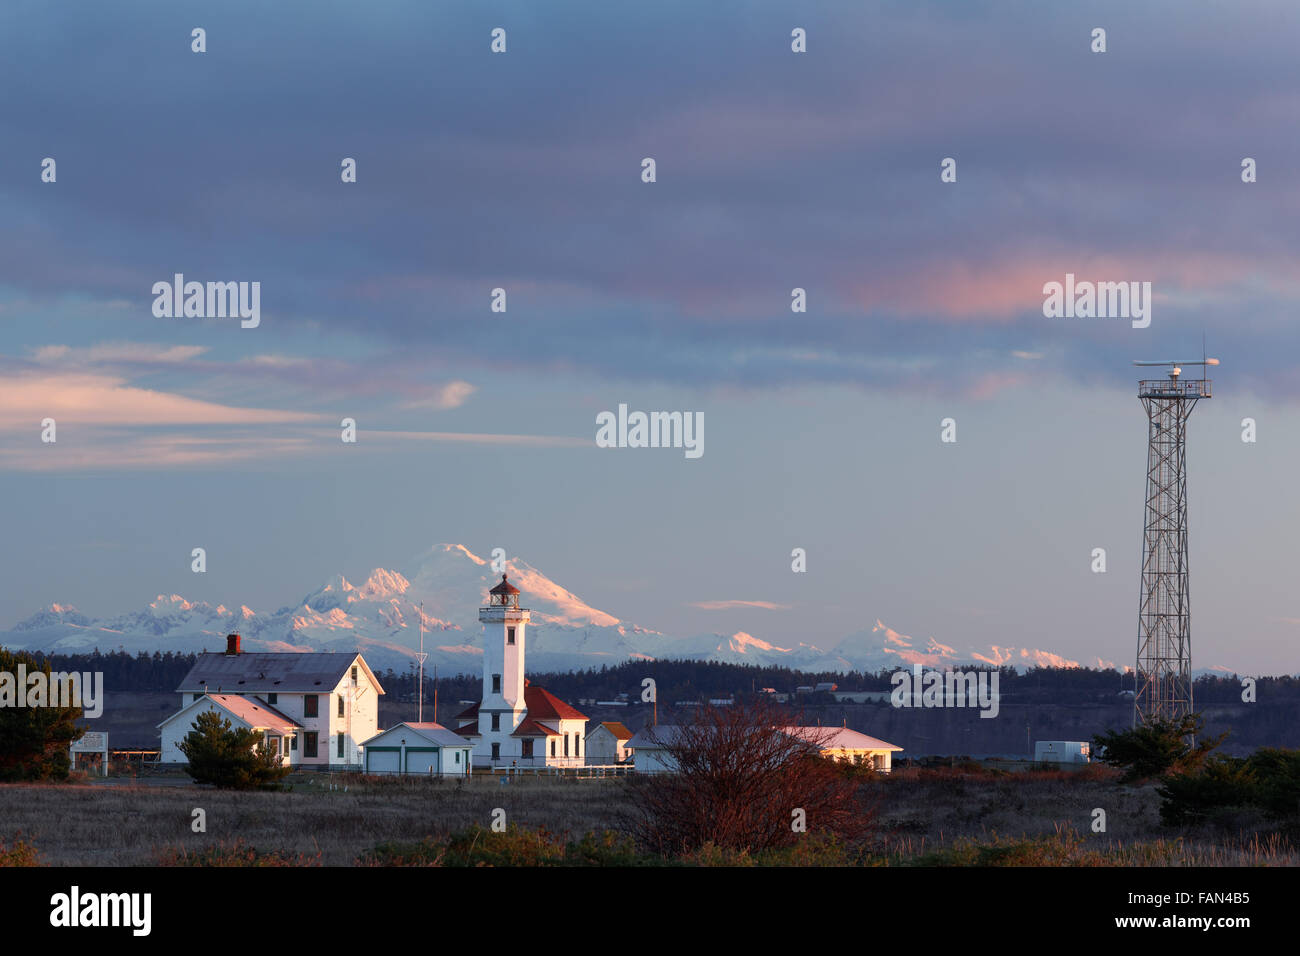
[774, 170]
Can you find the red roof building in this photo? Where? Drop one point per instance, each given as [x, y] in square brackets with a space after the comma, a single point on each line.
[515, 724]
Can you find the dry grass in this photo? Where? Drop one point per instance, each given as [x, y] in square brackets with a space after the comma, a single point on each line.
[949, 817]
[130, 825]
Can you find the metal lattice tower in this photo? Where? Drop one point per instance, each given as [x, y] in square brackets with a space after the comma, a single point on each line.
[1164, 653]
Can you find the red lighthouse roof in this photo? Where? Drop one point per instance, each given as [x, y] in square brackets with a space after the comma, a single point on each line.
[505, 587]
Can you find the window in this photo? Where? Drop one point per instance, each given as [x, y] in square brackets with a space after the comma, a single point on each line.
[566, 745]
[496, 683]
[510, 635]
[496, 751]
[496, 721]
[577, 745]
[341, 705]
[552, 746]
[457, 756]
[273, 744]
[340, 745]
[354, 675]
[311, 707]
[309, 741]
[272, 699]
[197, 698]
[293, 743]
[528, 748]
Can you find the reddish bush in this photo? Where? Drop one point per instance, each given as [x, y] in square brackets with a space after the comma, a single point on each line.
[745, 782]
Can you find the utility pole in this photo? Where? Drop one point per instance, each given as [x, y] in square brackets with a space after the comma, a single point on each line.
[421, 657]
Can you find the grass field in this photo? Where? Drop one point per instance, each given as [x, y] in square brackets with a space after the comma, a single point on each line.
[927, 817]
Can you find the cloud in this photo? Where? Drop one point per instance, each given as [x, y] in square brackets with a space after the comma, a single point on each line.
[88, 398]
[484, 438]
[732, 605]
[134, 451]
[443, 397]
[134, 353]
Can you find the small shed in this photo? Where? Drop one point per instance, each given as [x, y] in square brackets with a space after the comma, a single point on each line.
[423, 749]
[1062, 751]
[607, 744]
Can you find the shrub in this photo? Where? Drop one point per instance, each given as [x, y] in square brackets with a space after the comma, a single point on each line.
[740, 780]
[1268, 780]
[1278, 774]
[34, 741]
[1155, 748]
[228, 758]
[515, 846]
[20, 854]
[237, 854]
[1223, 784]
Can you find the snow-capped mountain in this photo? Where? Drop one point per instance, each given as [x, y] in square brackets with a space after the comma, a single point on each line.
[381, 618]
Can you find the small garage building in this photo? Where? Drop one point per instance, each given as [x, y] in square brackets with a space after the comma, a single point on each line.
[423, 749]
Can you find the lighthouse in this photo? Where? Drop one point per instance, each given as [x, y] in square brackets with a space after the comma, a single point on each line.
[515, 724]
[501, 709]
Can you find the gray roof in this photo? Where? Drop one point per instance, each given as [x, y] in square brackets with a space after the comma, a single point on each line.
[666, 736]
[433, 733]
[269, 673]
[651, 737]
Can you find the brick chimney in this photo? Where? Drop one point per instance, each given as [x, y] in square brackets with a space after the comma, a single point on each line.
[232, 644]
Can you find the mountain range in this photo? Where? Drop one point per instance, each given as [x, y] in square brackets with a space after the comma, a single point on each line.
[381, 619]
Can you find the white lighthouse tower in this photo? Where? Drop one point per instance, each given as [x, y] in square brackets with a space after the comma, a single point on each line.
[517, 724]
[502, 709]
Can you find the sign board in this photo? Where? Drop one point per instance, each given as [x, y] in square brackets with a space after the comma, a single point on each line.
[91, 743]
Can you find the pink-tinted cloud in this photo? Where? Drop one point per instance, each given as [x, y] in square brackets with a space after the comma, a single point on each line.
[732, 605]
[95, 399]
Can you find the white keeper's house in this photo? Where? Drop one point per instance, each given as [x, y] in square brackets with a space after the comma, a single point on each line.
[516, 724]
[315, 710]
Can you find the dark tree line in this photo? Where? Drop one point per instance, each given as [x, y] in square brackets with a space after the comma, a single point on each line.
[696, 681]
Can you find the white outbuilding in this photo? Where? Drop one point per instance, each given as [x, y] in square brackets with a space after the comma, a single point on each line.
[418, 749]
[652, 746]
[607, 744]
[1062, 751]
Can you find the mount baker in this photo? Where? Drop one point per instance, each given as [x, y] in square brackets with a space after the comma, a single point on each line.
[381, 619]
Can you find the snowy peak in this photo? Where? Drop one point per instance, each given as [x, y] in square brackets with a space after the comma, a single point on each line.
[443, 588]
[383, 583]
[53, 616]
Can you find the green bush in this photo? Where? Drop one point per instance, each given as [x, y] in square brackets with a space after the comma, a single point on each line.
[1154, 749]
[1268, 780]
[228, 758]
[1223, 785]
[34, 741]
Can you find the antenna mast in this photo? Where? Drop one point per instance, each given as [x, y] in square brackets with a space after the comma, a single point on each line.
[421, 657]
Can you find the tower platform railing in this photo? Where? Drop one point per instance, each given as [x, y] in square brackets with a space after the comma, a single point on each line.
[1183, 388]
